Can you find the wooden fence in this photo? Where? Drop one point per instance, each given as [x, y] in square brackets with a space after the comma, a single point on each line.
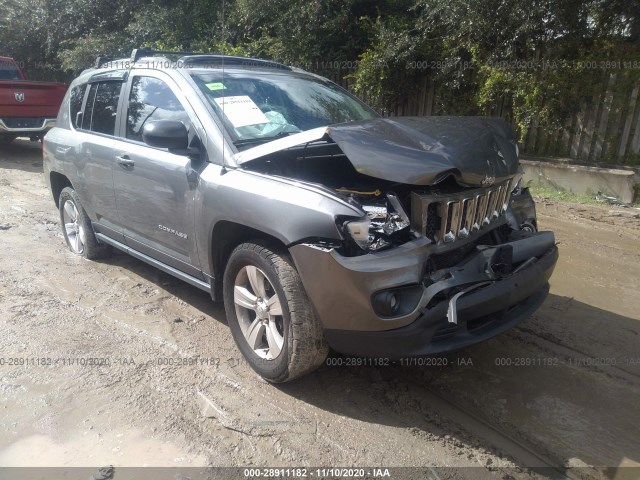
[606, 128]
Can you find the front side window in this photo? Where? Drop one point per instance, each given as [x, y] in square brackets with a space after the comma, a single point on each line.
[102, 107]
[150, 100]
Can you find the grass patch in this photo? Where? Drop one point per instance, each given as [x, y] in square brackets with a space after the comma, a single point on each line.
[548, 193]
[563, 196]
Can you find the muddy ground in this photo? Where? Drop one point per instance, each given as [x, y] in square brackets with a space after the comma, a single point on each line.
[561, 390]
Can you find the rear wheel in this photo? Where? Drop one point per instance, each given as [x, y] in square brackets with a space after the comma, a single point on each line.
[270, 316]
[77, 228]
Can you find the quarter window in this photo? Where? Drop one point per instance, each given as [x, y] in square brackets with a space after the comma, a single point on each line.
[75, 103]
[151, 99]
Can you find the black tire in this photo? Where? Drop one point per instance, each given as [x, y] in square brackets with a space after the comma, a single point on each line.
[304, 348]
[79, 236]
[6, 138]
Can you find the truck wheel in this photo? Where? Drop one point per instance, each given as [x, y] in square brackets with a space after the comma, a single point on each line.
[6, 138]
[77, 228]
[270, 315]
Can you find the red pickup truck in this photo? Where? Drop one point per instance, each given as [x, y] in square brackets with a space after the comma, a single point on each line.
[27, 109]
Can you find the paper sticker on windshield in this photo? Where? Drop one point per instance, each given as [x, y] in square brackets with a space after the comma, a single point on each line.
[241, 111]
[216, 86]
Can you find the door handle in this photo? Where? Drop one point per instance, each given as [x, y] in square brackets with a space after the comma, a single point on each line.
[125, 161]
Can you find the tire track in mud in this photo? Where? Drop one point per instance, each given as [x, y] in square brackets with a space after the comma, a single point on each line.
[505, 440]
[473, 423]
[511, 439]
[547, 343]
[535, 460]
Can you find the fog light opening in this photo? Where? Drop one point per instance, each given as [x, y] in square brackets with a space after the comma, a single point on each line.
[397, 301]
[387, 304]
[394, 303]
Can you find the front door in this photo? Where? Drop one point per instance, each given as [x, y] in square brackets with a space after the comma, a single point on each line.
[155, 189]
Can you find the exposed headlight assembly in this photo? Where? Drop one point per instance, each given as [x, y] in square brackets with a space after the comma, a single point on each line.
[382, 225]
[359, 231]
[516, 185]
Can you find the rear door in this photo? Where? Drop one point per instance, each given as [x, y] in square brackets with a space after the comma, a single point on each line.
[155, 189]
[91, 144]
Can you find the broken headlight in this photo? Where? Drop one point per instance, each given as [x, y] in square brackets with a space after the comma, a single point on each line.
[384, 225]
[359, 231]
[516, 183]
[517, 186]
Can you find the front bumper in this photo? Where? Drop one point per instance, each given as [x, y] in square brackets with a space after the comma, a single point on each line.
[341, 290]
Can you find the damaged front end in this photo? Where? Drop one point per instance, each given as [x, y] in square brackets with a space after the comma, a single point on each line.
[445, 252]
[443, 178]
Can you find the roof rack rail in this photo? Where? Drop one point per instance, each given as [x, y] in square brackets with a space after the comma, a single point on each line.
[192, 58]
[139, 53]
[214, 59]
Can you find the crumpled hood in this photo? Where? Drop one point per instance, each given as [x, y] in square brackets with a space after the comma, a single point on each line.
[425, 150]
[418, 150]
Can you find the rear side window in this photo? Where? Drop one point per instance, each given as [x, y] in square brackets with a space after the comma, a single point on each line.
[75, 103]
[102, 107]
[151, 99]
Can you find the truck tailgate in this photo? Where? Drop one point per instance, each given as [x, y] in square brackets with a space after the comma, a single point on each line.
[30, 99]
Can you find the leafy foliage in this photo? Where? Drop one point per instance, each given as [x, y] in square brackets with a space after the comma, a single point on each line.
[540, 58]
[543, 56]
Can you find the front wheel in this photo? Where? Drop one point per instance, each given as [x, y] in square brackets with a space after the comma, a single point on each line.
[77, 228]
[270, 315]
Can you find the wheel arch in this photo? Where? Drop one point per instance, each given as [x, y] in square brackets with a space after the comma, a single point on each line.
[227, 235]
[58, 182]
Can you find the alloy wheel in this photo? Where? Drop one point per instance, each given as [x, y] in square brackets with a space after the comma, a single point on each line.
[75, 232]
[259, 312]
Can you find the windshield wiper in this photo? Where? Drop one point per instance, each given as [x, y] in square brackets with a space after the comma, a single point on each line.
[253, 141]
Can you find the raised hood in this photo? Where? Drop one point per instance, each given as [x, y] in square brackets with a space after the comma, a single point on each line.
[416, 150]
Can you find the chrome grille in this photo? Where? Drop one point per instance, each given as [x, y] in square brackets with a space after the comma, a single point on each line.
[458, 215]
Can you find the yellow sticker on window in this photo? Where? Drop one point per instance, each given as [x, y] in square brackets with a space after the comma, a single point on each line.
[216, 86]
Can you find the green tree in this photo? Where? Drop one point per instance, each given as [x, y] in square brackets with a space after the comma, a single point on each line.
[531, 53]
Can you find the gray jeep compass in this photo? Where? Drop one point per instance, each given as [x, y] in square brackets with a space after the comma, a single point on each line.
[318, 222]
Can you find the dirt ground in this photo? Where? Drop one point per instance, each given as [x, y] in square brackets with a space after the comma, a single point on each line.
[561, 390]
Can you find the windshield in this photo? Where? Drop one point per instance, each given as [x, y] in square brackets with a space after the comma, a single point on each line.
[258, 107]
[9, 71]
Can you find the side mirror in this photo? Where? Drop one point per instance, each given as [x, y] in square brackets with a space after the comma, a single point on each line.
[166, 134]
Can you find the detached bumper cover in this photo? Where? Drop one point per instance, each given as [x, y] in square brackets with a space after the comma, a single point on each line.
[500, 301]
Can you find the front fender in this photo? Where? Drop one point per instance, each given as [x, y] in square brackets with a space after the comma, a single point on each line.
[285, 209]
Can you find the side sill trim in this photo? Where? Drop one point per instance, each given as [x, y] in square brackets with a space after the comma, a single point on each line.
[155, 263]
